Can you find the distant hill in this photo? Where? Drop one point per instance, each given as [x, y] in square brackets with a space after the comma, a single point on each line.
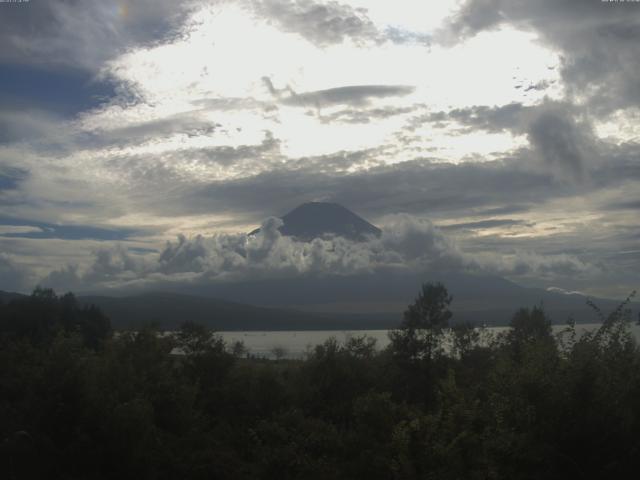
[341, 303]
[169, 310]
[479, 298]
[315, 219]
[6, 297]
[336, 303]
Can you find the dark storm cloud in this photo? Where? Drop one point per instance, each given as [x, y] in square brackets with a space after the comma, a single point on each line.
[503, 210]
[330, 23]
[320, 23]
[558, 132]
[227, 155]
[83, 34]
[43, 230]
[558, 140]
[339, 162]
[187, 124]
[365, 115]
[12, 276]
[11, 177]
[165, 172]
[598, 41]
[491, 119]
[25, 124]
[419, 187]
[53, 52]
[278, 186]
[351, 95]
[64, 92]
[624, 205]
[483, 224]
[444, 192]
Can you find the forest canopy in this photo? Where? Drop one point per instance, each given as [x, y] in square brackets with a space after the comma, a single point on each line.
[80, 402]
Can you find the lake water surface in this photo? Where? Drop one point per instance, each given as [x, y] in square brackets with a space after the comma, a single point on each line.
[296, 344]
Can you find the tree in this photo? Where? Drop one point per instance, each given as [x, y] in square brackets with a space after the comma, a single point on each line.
[196, 339]
[206, 361]
[279, 352]
[43, 315]
[465, 338]
[421, 331]
[529, 327]
[417, 346]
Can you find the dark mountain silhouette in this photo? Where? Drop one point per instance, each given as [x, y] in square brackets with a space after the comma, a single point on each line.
[384, 295]
[315, 219]
[6, 297]
[169, 310]
[336, 303]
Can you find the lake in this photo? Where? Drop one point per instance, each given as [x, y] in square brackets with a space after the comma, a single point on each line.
[296, 344]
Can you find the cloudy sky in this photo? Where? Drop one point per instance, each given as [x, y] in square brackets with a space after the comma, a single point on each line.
[140, 139]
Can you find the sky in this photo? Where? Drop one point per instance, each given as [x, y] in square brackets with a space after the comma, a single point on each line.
[140, 140]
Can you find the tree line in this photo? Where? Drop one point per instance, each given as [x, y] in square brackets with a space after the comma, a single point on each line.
[444, 402]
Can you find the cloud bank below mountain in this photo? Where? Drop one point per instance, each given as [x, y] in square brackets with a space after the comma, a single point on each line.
[407, 244]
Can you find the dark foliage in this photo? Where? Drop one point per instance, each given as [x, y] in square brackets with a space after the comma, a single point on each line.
[43, 315]
[77, 402]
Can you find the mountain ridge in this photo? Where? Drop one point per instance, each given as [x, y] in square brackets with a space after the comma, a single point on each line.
[169, 309]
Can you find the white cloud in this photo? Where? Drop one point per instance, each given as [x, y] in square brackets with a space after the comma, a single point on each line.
[407, 244]
[563, 291]
[228, 53]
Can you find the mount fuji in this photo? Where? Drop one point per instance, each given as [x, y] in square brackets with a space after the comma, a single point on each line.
[317, 219]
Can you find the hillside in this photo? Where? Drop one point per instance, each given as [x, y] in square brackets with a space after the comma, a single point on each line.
[336, 303]
[169, 310]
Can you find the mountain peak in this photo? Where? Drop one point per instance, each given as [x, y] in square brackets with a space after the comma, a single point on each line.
[316, 219]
